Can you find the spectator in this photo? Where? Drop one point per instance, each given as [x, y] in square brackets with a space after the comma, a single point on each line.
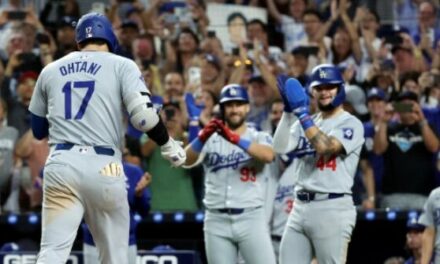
[298, 63]
[128, 32]
[65, 36]
[407, 147]
[8, 139]
[182, 54]
[292, 26]
[427, 34]
[212, 75]
[178, 196]
[414, 241]
[376, 103]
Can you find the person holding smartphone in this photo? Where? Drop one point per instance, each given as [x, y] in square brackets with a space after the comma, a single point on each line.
[407, 146]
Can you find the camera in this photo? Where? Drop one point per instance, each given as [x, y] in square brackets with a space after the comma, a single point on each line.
[169, 113]
[211, 34]
[16, 15]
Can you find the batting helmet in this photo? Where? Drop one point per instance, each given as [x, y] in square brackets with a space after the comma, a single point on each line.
[233, 92]
[96, 26]
[329, 74]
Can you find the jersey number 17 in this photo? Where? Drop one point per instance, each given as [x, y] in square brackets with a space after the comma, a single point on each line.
[67, 90]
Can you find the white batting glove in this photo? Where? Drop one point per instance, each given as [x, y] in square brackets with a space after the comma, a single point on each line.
[173, 152]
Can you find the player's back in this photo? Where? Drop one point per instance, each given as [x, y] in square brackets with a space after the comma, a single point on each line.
[84, 98]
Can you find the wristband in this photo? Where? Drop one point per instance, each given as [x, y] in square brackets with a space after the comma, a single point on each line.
[306, 121]
[244, 144]
[197, 145]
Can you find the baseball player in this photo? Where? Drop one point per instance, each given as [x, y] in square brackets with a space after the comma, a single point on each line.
[138, 200]
[327, 147]
[283, 203]
[78, 102]
[431, 236]
[235, 160]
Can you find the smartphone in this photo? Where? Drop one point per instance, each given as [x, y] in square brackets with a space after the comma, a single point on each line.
[235, 51]
[26, 57]
[194, 75]
[43, 38]
[393, 39]
[16, 15]
[249, 46]
[169, 113]
[211, 34]
[312, 50]
[402, 107]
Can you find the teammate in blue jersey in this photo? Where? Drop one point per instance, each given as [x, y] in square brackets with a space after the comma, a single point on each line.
[139, 202]
[327, 146]
[236, 160]
[79, 101]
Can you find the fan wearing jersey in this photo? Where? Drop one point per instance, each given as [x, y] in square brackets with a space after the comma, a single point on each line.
[327, 146]
[236, 160]
[79, 102]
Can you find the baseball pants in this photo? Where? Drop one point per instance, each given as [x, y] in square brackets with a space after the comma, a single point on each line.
[73, 189]
[226, 234]
[318, 228]
[91, 255]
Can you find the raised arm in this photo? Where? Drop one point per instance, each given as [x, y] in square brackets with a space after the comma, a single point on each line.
[273, 11]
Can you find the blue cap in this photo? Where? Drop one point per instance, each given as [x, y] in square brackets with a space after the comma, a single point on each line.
[376, 93]
[413, 224]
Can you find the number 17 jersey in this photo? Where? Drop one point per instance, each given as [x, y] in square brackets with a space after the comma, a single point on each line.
[82, 95]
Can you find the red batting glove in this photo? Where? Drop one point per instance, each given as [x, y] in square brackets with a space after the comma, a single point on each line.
[208, 130]
[227, 134]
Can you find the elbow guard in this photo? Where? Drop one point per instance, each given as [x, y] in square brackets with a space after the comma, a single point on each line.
[143, 116]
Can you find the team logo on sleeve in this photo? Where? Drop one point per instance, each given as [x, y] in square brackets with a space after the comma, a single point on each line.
[348, 133]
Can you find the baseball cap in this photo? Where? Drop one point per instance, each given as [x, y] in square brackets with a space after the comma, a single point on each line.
[408, 95]
[376, 93]
[9, 247]
[414, 225]
[397, 47]
[214, 61]
[355, 96]
[68, 21]
[28, 75]
[257, 78]
[163, 248]
[128, 23]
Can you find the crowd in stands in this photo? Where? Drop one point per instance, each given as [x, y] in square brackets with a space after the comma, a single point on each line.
[391, 70]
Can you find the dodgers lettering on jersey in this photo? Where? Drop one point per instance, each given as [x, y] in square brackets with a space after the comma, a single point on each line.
[334, 174]
[233, 179]
[83, 90]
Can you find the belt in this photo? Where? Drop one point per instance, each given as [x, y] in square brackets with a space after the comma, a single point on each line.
[276, 238]
[233, 211]
[98, 150]
[306, 196]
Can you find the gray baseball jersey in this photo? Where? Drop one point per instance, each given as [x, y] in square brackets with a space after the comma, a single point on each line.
[82, 96]
[233, 179]
[236, 181]
[8, 138]
[284, 200]
[336, 174]
[307, 232]
[431, 218]
[85, 90]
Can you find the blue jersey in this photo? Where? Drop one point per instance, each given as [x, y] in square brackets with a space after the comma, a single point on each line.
[140, 205]
[376, 161]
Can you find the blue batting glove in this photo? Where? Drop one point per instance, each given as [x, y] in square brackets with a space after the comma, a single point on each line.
[295, 94]
[193, 110]
[299, 102]
[281, 81]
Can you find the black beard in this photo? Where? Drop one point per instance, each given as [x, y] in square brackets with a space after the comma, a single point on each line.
[326, 108]
[234, 126]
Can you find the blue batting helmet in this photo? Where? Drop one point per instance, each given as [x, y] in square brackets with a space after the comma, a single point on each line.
[329, 74]
[96, 26]
[233, 92]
